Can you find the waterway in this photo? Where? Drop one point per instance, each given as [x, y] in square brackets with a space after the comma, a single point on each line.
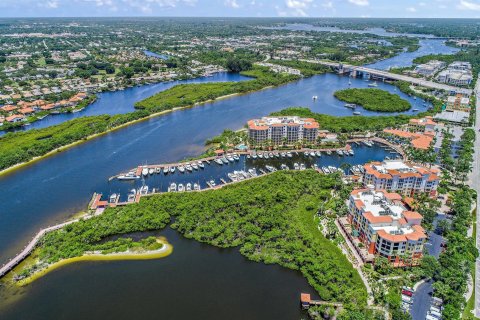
[53, 189]
[155, 55]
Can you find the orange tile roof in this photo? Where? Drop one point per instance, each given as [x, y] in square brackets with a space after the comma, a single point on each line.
[412, 215]
[8, 108]
[377, 219]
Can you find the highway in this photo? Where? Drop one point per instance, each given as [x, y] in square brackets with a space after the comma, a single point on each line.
[475, 179]
[394, 76]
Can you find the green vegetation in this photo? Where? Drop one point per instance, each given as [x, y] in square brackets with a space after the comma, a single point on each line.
[20, 147]
[269, 218]
[374, 99]
[306, 68]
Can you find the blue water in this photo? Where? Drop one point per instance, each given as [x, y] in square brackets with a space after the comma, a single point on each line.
[156, 55]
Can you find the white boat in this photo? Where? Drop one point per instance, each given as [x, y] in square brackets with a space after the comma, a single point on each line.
[165, 170]
[181, 187]
[284, 167]
[332, 169]
[302, 166]
[188, 167]
[132, 195]
[196, 187]
[253, 172]
[248, 156]
[270, 155]
[415, 110]
[318, 153]
[265, 155]
[296, 166]
[329, 152]
[312, 154]
[350, 105]
[189, 186]
[143, 190]
[195, 166]
[374, 84]
[314, 166]
[351, 152]
[254, 156]
[113, 198]
[236, 157]
[172, 169]
[283, 154]
[200, 165]
[173, 187]
[260, 155]
[339, 152]
[314, 98]
[270, 168]
[224, 160]
[325, 170]
[232, 176]
[128, 176]
[145, 171]
[157, 170]
[212, 183]
[230, 158]
[219, 161]
[356, 113]
[181, 168]
[151, 171]
[289, 154]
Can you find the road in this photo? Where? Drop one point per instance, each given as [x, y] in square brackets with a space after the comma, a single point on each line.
[394, 76]
[475, 177]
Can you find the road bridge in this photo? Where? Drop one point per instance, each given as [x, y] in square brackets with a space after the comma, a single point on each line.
[385, 75]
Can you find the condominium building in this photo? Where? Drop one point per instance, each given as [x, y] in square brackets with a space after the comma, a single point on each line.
[283, 130]
[430, 68]
[423, 125]
[401, 177]
[457, 73]
[381, 221]
[458, 102]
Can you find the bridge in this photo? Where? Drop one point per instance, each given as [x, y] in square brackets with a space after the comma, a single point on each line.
[385, 75]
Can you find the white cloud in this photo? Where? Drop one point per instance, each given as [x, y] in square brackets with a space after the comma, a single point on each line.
[298, 4]
[422, 4]
[361, 3]
[232, 4]
[411, 9]
[50, 4]
[467, 5]
[327, 5]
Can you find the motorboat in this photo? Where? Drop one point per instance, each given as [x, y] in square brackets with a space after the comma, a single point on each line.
[314, 166]
[113, 198]
[189, 168]
[151, 171]
[224, 160]
[166, 170]
[128, 176]
[325, 170]
[312, 154]
[196, 187]
[132, 195]
[356, 113]
[157, 170]
[201, 165]
[332, 169]
[283, 154]
[232, 176]
[374, 84]
[318, 153]
[265, 155]
[181, 168]
[219, 161]
[254, 156]
[339, 152]
[173, 187]
[302, 166]
[284, 167]
[144, 190]
[236, 157]
[350, 105]
[195, 166]
[145, 171]
[296, 166]
[181, 187]
[270, 168]
[260, 155]
[230, 158]
[329, 152]
[270, 155]
[189, 187]
[253, 172]
[289, 154]
[212, 183]
[172, 169]
[351, 152]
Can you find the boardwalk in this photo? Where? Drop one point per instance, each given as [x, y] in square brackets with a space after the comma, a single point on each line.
[346, 68]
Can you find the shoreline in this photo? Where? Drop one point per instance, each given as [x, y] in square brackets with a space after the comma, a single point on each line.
[164, 251]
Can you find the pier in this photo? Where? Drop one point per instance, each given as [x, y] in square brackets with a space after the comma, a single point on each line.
[307, 302]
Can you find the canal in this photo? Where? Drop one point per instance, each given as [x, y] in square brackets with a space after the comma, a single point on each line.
[216, 283]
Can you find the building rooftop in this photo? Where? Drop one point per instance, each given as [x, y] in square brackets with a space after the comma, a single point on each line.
[266, 122]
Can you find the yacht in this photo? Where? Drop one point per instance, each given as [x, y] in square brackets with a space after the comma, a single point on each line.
[270, 168]
[339, 152]
[145, 171]
[333, 169]
[196, 187]
[277, 155]
[157, 170]
[302, 166]
[253, 172]
[260, 155]
[236, 157]
[212, 183]
[283, 154]
[232, 176]
[224, 160]
[172, 169]
[151, 171]
[325, 170]
[314, 166]
[312, 154]
[248, 156]
[374, 84]
[144, 190]
[230, 158]
[356, 113]
[195, 166]
[318, 153]
[181, 168]
[270, 155]
[351, 152]
[188, 167]
[265, 155]
[128, 176]
[329, 152]
[173, 187]
[254, 156]
[415, 110]
[201, 165]
[350, 105]
[189, 186]
[296, 166]
[289, 154]
[181, 187]
[219, 161]
[314, 98]
[284, 167]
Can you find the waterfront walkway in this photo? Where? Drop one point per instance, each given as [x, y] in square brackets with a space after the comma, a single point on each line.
[347, 68]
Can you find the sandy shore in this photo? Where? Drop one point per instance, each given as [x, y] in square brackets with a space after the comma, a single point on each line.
[166, 250]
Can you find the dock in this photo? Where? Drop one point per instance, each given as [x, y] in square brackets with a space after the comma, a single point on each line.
[306, 302]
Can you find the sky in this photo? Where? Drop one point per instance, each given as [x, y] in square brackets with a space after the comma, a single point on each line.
[242, 8]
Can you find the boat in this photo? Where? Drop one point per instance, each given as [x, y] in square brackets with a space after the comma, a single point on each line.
[224, 160]
[195, 166]
[196, 187]
[325, 170]
[339, 152]
[277, 155]
[312, 154]
[265, 155]
[270, 155]
[329, 152]
[270, 168]
[296, 166]
[284, 167]
[189, 187]
[356, 113]
[415, 110]
[283, 154]
[157, 170]
[219, 161]
[181, 168]
[236, 157]
[173, 187]
[351, 152]
[143, 190]
[230, 158]
[248, 156]
[318, 153]
[302, 166]
[314, 166]
[188, 167]
[172, 169]
[151, 171]
[289, 154]
[350, 105]
[212, 183]
[333, 169]
[239, 175]
[253, 172]
[232, 176]
[260, 155]
[128, 176]
[374, 84]
[181, 187]
[201, 165]
[132, 195]
[314, 98]
[145, 171]
[113, 198]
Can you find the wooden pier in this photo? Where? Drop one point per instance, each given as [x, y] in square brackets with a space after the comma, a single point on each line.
[306, 302]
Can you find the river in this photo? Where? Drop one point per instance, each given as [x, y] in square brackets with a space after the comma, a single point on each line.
[53, 189]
